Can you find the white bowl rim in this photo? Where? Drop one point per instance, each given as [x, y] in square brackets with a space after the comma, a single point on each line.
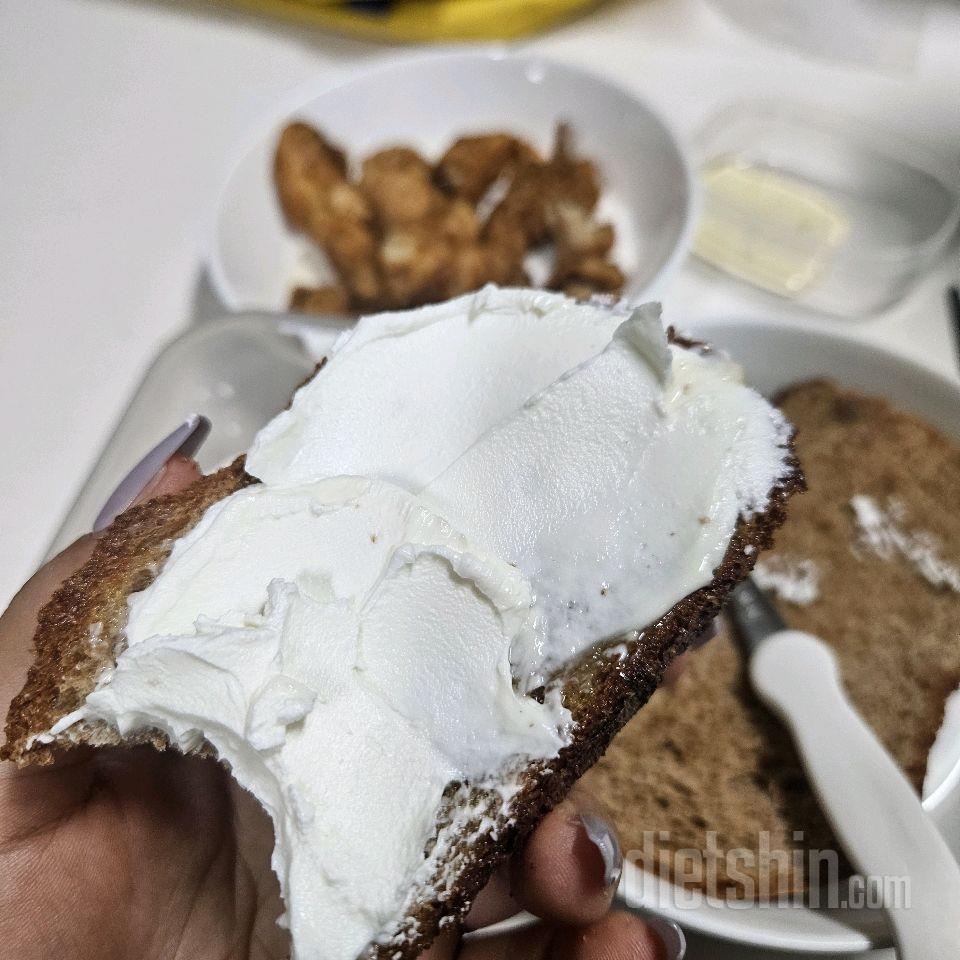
[305, 93]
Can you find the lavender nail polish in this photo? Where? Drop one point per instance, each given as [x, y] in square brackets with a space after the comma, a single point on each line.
[185, 440]
[670, 935]
[605, 840]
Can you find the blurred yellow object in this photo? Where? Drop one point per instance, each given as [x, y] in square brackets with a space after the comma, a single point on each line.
[426, 20]
[767, 228]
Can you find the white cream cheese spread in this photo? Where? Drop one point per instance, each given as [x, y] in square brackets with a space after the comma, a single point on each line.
[616, 490]
[615, 485]
[348, 672]
[463, 498]
[409, 392]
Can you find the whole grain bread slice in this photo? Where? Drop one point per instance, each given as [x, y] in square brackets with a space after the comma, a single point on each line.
[81, 631]
[706, 765]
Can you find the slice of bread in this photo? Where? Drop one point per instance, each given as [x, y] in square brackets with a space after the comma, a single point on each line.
[81, 630]
[705, 756]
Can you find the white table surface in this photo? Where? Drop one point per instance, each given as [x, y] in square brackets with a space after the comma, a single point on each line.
[117, 121]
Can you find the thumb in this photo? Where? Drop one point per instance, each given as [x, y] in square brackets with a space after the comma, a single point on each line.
[32, 798]
[165, 469]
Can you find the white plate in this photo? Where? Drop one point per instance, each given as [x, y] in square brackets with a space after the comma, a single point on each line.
[773, 356]
[427, 102]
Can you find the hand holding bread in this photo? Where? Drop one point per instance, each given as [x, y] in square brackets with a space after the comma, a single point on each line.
[156, 854]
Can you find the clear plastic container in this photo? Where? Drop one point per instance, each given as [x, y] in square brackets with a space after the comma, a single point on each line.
[820, 209]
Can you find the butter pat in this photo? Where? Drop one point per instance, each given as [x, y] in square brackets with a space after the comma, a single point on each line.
[768, 228]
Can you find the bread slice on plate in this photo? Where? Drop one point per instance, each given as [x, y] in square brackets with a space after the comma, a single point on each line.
[633, 462]
[868, 560]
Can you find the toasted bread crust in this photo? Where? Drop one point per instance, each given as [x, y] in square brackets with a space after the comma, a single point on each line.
[80, 631]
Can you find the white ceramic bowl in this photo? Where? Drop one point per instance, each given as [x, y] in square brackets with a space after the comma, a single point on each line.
[773, 356]
[254, 259]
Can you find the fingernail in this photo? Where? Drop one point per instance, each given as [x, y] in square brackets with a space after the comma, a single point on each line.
[602, 836]
[185, 440]
[670, 935]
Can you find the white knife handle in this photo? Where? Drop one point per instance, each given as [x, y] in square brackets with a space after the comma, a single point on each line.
[873, 809]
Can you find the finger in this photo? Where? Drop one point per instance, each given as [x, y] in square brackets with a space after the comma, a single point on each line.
[175, 475]
[20, 618]
[569, 869]
[19, 621]
[494, 903]
[618, 936]
[43, 795]
[182, 442]
[172, 473]
[39, 795]
[531, 943]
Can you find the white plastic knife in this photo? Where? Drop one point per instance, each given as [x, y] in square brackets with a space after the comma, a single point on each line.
[874, 811]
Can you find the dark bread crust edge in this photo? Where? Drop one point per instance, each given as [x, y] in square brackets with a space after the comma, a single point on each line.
[80, 629]
[80, 632]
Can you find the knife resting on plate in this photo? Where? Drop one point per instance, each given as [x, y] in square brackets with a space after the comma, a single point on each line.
[872, 808]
